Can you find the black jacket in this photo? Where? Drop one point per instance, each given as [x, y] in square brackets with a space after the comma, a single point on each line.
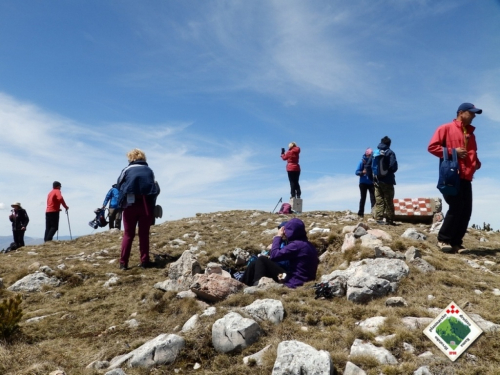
[19, 219]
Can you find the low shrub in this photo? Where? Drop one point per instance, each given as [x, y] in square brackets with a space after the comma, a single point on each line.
[10, 316]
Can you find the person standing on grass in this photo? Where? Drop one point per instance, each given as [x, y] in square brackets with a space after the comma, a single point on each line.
[292, 168]
[115, 214]
[365, 181]
[458, 135]
[19, 218]
[54, 202]
[138, 192]
[384, 185]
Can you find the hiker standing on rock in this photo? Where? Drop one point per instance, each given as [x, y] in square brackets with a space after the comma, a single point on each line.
[54, 202]
[301, 255]
[458, 135]
[115, 213]
[19, 218]
[292, 168]
[384, 166]
[364, 171]
[138, 193]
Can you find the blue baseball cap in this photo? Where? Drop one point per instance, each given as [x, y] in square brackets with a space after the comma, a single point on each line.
[282, 224]
[469, 107]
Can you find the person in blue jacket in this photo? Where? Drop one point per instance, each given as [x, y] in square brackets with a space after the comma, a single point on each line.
[115, 213]
[365, 181]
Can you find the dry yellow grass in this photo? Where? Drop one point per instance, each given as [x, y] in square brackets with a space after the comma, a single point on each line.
[86, 321]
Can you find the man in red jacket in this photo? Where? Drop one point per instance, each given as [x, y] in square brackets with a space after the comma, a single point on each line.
[54, 201]
[459, 135]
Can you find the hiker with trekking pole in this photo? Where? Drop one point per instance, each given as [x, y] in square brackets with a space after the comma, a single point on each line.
[54, 202]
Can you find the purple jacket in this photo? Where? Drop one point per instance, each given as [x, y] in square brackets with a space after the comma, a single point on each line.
[301, 254]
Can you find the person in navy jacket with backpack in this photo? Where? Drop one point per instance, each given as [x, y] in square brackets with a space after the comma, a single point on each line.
[384, 184]
[365, 181]
[138, 192]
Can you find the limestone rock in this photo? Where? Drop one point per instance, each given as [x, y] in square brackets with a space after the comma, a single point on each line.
[382, 355]
[257, 357]
[416, 323]
[191, 323]
[414, 235]
[161, 350]
[33, 283]
[370, 241]
[396, 302]
[412, 253]
[371, 324]
[352, 369]
[387, 252]
[295, 357]
[233, 333]
[266, 309]
[422, 265]
[349, 242]
[185, 266]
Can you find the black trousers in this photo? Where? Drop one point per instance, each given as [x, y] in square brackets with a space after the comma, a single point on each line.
[18, 237]
[363, 188]
[261, 267]
[457, 218]
[51, 225]
[293, 177]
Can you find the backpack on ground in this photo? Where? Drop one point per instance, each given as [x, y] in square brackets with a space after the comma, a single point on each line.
[100, 218]
[380, 164]
[286, 208]
[449, 174]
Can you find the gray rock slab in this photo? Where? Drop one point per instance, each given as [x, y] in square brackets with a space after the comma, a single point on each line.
[371, 324]
[297, 358]
[412, 233]
[411, 322]
[352, 369]
[33, 283]
[423, 370]
[161, 350]
[383, 356]
[422, 265]
[233, 332]
[266, 309]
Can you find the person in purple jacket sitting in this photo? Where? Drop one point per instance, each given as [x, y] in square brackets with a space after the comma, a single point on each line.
[301, 255]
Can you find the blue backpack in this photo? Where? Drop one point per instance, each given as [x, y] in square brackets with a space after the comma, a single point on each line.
[380, 166]
[449, 174]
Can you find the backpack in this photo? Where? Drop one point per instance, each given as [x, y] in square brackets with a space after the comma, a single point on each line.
[380, 164]
[368, 167]
[449, 174]
[286, 208]
[100, 218]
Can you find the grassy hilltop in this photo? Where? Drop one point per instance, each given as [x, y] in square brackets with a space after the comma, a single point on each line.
[86, 321]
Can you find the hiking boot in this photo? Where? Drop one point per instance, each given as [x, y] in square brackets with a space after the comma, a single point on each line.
[459, 249]
[145, 265]
[445, 247]
[123, 267]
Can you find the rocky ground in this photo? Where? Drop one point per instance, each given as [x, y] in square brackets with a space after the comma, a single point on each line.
[82, 315]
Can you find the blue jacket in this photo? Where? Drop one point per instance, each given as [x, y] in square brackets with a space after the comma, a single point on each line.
[137, 178]
[389, 178]
[364, 178]
[301, 254]
[112, 197]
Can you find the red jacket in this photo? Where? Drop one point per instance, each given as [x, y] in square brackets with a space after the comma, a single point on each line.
[292, 158]
[453, 136]
[54, 201]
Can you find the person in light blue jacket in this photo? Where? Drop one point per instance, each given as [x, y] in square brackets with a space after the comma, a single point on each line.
[115, 213]
[365, 181]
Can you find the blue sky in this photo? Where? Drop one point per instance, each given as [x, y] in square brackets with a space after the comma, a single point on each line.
[211, 91]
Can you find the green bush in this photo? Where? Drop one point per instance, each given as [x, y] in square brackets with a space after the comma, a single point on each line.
[10, 315]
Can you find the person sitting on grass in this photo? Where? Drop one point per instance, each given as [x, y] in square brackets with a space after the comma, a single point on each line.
[301, 255]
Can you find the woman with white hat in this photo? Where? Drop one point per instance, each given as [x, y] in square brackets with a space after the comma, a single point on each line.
[19, 218]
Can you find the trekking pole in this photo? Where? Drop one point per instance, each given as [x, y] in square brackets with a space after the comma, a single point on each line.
[281, 200]
[69, 226]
